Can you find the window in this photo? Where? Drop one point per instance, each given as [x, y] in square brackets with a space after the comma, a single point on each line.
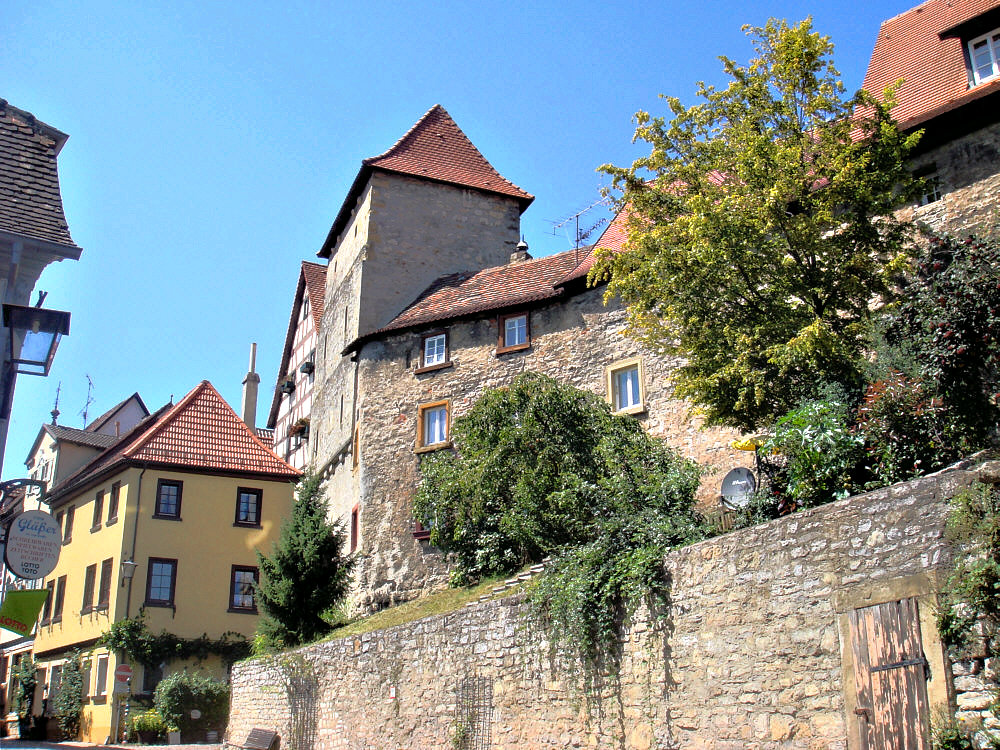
[355, 521]
[168, 499]
[85, 664]
[241, 589]
[248, 507]
[47, 606]
[57, 605]
[513, 332]
[161, 580]
[116, 494]
[68, 529]
[59, 521]
[151, 677]
[55, 682]
[104, 592]
[101, 688]
[98, 511]
[432, 426]
[624, 380]
[421, 532]
[89, 580]
[984, 53]
[433, 352]
[932, 184]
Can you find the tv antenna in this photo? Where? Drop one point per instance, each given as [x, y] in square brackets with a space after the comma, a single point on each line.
[90, 400]
[55, 407]
[581, 235]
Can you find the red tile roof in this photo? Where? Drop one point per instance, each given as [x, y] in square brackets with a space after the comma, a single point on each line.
[462, 294]
[199, 432]
[920, 47]
[314, 276]
[435, 148]
[612, 238]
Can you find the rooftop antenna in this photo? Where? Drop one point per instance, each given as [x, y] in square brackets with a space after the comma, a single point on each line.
[55, 407]
[581, 235]
[90, 400]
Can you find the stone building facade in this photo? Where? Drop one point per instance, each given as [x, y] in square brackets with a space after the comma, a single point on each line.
[425, 275]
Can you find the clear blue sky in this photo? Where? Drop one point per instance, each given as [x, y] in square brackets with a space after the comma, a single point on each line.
[212, 143]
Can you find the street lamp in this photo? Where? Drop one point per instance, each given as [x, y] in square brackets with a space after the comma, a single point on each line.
[39, 331]
[128, 570]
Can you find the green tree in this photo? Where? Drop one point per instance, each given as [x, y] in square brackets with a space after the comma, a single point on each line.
[761, 229]
[180, 692]
[538, 467]
[306, 574]
[24, 682]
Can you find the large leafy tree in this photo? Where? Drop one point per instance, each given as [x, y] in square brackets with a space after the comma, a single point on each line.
[306, 574]
[761, 228]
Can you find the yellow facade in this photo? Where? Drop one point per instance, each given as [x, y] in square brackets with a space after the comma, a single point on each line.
[199, 547]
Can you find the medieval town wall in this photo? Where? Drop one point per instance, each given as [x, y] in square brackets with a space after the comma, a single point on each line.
[755, 654]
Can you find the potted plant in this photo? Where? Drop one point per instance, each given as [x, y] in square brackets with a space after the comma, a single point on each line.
[148, 726]
[300, 427]
[287, 385]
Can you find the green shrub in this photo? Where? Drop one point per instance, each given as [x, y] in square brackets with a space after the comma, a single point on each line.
[148, 721]
[180, 692]
[820, 455]
[67, 703]
[25, 680]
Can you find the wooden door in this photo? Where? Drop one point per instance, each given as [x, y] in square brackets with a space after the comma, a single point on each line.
[890, 676]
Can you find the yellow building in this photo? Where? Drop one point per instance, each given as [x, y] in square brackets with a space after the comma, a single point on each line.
[168, 521]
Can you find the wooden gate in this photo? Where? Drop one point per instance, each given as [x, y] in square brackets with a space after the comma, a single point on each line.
[890, 675]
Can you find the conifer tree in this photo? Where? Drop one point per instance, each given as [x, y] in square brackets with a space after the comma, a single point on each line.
[306, 574]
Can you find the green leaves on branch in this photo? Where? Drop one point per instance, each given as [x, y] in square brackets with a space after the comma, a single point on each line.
[134, 638]
[761, 228]
[542, 468]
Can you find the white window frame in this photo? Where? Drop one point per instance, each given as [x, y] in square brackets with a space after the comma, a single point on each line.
[435, 350]
[638, 404]
[510, 323]
[992, 40]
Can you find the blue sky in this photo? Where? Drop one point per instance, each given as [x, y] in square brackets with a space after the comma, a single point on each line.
[212, 143]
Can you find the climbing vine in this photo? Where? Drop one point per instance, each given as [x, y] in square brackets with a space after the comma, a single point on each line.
[133, 637]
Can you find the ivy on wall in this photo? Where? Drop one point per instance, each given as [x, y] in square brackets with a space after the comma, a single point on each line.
[134, 638]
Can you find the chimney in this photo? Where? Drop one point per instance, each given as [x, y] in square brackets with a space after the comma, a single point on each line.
[520, 253]
[250, 384]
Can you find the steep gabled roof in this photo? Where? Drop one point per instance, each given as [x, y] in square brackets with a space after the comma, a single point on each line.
[107, 416]
[199, 432]
[435, 149]
[30, 201]
[924, 47]
[312, 281]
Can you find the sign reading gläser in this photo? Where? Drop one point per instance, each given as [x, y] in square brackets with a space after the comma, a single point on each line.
[33, 544]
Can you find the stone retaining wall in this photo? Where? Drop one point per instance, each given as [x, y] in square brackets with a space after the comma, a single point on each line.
[754, 656]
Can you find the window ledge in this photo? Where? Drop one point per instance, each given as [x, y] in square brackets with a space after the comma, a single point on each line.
[434, 447]
[241, 611]
[56, 620]
[433, 368]
[422, 536]
[165, 605]
[240, 525]
[515, 348]
[99, 699]
[166, 518]
[632, 410]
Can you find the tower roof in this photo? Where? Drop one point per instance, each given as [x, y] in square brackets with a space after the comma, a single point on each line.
[434, 149]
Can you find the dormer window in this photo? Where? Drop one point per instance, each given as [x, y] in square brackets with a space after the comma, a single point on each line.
[984, 52]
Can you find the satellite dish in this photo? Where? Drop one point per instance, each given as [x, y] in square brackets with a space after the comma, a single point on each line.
[737, 487]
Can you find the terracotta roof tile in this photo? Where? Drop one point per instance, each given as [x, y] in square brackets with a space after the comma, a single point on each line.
[435, 148]
[920, 47]
[30, 201]
[462, 294]
[201, 431]
[315, 280]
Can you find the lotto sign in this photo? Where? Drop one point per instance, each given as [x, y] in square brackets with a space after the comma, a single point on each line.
[33, 544]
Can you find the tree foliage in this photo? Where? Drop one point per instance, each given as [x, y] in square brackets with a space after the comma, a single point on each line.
[67, 702]
[306, 573]
[25, 679]
[542, 468]
[180, 692]
[761, 229]
[539, 467]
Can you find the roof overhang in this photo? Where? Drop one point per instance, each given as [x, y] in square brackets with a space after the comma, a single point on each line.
[71, 252]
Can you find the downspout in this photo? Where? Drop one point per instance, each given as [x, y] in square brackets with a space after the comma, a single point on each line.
[135, 534]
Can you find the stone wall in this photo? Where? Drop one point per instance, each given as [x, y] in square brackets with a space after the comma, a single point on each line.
[756, 654]
[573, 340]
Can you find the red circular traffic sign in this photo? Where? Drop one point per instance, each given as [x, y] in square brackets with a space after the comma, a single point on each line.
[123, 673]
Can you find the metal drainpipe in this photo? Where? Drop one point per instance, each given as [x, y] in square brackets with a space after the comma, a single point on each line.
[135, 534]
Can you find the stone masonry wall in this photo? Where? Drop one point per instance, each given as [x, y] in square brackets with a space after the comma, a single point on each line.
[755, 656]
[573, 340]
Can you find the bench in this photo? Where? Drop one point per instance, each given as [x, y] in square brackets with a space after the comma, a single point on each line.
[261, 739]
